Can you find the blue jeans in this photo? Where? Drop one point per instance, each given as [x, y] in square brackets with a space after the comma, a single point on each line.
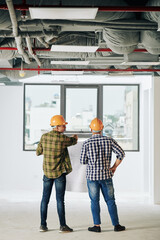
[60, 186]
[106, 186]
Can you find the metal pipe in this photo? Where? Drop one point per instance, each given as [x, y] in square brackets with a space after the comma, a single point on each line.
[79, 70]
[30, 34]
[100, 8]
[8, 48]
[109, 50]
[55, 22]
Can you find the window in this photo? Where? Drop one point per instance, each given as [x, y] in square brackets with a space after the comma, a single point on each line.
[41, 103]
[116, 105]
[120, 115]
[81, 107]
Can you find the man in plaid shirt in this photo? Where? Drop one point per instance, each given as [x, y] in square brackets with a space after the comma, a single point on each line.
[97, 153]
[56, 164]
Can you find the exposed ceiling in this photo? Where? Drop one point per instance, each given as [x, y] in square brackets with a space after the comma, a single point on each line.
[119, 36]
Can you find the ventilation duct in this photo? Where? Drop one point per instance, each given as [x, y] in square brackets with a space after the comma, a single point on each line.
[151, 39]
[152, 16]
[121, 42]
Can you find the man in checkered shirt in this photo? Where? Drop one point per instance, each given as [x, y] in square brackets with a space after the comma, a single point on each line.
[56, 164]
[97, 153]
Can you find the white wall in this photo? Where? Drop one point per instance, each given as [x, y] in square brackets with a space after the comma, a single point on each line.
[22, 170]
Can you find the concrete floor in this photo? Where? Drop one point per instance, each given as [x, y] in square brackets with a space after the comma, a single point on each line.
[19, 219]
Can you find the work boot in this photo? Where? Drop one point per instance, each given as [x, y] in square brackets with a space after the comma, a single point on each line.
[65, 229]
[119, 228]
[94, 229]
[43, 228]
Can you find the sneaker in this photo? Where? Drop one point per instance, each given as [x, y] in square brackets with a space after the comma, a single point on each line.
[119, 228]
[43, 228]
[95, 229]
[65, 229]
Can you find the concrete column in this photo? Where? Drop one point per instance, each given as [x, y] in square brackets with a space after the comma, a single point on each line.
[156, 141]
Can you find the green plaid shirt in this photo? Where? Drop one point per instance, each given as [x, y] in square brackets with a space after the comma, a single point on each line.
[53, 145]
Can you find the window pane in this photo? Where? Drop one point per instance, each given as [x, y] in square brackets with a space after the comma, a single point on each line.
[41, 103]
[120, 115]
[81, 108]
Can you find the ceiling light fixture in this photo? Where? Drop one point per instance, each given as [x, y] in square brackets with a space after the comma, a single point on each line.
[73, 48]
[63, 13]
[105, 62]
[141, 63]
[70, 62]
[67, 72]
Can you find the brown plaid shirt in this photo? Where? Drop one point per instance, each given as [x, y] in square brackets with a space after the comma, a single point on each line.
[53, 145]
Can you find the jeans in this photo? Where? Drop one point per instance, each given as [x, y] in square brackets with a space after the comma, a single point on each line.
[60, 186]
[106, 186]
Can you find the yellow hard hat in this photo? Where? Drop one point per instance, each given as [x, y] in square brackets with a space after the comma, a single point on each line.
[58, 120]
[96, 125]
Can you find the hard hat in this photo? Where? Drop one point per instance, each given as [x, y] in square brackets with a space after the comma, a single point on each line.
[96, 125]
[58, 120]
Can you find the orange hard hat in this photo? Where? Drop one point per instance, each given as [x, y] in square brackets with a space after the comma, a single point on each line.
[96, 125]
[58, 120]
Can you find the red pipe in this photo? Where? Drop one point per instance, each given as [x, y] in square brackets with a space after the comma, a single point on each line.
[8, 48]
[109, 50]
[34, 49]
[48, 49]
[38, 70]
[101, 9]
[85, 70]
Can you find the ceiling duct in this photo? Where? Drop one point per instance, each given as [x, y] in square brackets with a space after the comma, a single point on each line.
[141, 59]
[15, 30]
[152, 16]
[151, 39]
